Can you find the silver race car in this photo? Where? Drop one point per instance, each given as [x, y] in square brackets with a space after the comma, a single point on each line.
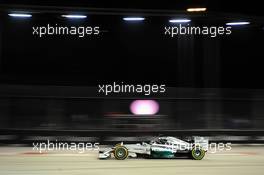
[161, 147]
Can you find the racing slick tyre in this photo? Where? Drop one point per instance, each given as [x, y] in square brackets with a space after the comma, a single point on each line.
[120, 152]
[197, 153]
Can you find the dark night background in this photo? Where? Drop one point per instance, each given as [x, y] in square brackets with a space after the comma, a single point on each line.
[133, 53]
[50, 82]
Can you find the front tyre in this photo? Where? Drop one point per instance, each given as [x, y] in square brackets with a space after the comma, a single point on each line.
[120, 152]
[197, 153]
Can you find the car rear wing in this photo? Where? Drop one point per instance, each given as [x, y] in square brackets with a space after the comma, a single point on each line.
[202, 142]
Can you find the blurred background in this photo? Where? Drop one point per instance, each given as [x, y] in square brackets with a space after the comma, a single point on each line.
[48, 85]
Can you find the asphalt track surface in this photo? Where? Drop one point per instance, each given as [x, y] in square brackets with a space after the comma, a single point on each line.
[248, 160]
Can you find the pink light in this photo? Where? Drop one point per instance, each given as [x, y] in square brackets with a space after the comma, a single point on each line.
[144, 107]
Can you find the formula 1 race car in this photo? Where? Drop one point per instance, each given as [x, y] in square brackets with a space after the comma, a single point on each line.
[161, 147]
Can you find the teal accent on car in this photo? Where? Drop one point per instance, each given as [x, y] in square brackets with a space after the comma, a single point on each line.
[162, 154]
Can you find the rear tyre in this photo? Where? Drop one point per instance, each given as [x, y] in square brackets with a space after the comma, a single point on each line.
[197, 153]
[120, 152]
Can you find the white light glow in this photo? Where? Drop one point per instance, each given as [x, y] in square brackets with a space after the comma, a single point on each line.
[144, 107]
[179, 20]
[20, 15]
[237, 23]
[196, 9]
[74, 16]
[134, 19]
